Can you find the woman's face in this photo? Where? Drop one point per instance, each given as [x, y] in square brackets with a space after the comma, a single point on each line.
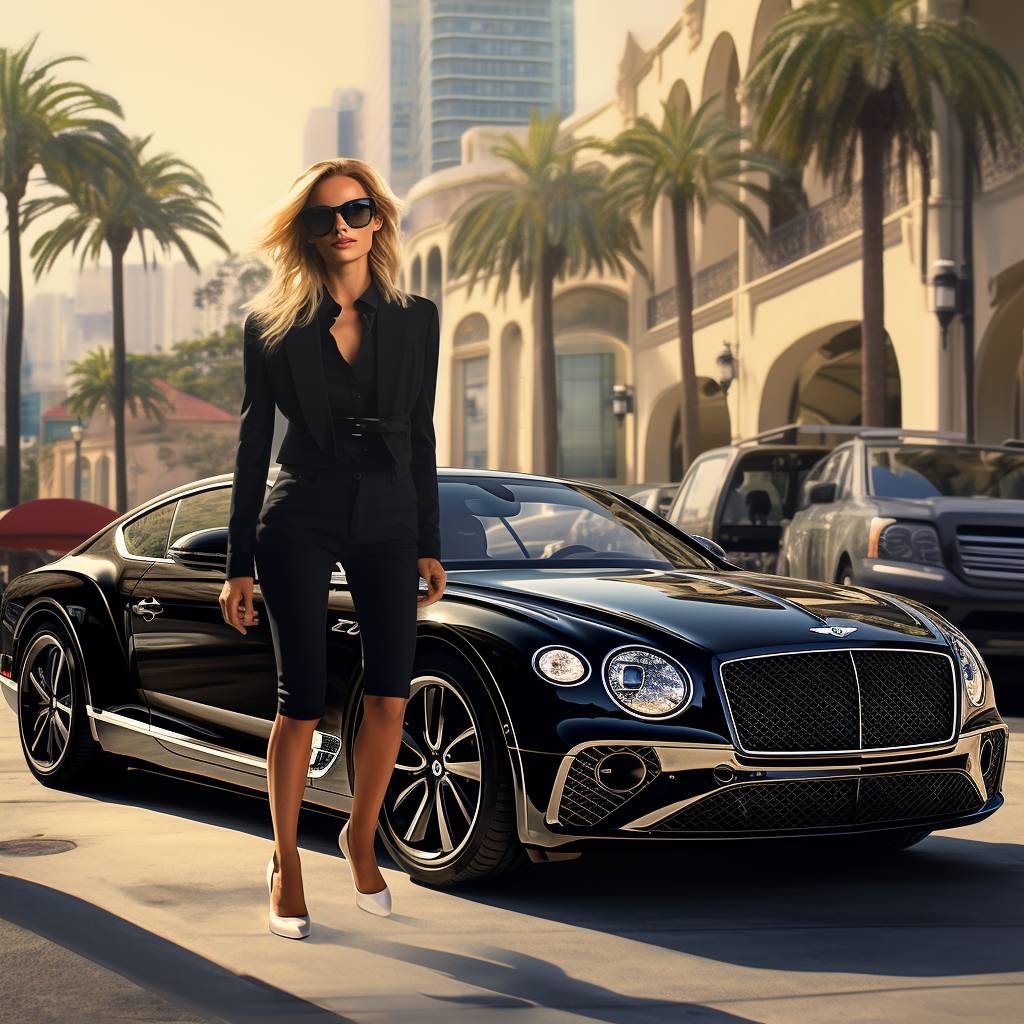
[344, 244]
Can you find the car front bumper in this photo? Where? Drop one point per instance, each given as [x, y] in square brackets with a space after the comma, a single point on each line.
[712, 792]
[991, 617]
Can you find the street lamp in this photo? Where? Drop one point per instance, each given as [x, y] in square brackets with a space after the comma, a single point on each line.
[947, 294]
[726, 363]
[77, 430]
[622, 400]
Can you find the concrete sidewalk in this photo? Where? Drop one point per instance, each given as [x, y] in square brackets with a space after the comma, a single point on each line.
[166, 892]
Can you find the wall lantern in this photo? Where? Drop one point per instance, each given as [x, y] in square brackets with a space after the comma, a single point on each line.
[726, 363]
[77, 430]
[946, 285]
[622, 400]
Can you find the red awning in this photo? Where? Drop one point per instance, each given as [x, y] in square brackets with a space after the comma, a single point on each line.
[52, 524]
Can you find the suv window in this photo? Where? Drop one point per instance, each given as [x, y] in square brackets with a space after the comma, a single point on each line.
[146, 536]
[206, 510]
[701, 490]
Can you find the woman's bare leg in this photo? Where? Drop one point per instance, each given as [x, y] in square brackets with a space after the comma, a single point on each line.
[374, 754]
[291, 743]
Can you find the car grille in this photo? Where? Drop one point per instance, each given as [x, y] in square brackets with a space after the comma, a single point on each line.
[822, 803]
[584, 802]
[992, 552]
[826, 701]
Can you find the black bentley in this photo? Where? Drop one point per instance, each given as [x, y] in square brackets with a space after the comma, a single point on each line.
[593, 677]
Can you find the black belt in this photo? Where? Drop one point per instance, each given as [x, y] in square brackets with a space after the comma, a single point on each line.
[359, 425]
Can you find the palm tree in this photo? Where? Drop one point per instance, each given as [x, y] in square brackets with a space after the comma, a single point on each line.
[690, 160]
[545, 217]
[43, 122]
[94, 387]
[163, 196]
[838, 76]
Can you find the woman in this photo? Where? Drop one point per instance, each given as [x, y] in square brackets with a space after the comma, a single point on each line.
[351, 362]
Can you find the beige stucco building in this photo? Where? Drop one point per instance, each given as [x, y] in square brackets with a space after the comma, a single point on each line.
[790, 316]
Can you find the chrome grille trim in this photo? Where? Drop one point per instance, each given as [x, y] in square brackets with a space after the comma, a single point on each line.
[734, 731]
[992, 556]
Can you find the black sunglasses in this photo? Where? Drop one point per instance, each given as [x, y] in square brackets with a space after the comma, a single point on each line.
[356, 213]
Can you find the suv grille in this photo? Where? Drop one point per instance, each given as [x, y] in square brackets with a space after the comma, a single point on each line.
[992, 552]
[823, 803]
[825, 701]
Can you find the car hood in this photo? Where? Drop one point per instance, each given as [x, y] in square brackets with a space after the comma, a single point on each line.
[986, 510]
[720, 611]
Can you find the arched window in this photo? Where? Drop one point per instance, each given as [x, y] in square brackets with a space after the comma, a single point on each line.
[101, 485]
[416, 277]
[434, 284]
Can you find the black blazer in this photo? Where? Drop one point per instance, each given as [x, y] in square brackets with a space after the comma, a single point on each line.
[291, 377]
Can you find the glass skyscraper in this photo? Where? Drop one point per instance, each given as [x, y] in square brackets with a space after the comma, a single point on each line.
[454, 64]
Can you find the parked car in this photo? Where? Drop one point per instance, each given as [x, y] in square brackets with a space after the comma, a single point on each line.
[657, 497]
[591, 678]
[941, 523]
[742, 496]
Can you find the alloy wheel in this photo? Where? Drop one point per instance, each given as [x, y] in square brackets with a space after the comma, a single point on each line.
[433, 801]
[46, 702]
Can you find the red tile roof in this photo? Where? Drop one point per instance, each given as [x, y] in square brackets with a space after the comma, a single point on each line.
[186, 406]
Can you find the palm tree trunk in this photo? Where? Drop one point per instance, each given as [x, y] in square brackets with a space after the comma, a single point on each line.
[689, 413]
[873, 371]
[12, 353]
[117, 252]
[550, 260]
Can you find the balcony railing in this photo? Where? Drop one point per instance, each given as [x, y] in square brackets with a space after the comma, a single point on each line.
[711, 283]
[817, 227]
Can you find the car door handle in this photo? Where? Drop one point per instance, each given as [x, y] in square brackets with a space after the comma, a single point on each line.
[149, 608]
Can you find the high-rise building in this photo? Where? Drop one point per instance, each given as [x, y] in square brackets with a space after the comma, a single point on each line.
[455, 64]
[336, 130]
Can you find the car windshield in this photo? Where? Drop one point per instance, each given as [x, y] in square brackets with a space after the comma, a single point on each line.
[496, 523]
[916, 471]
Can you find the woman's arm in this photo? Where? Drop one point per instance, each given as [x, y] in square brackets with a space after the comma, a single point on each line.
[252, 457]
[424, 455]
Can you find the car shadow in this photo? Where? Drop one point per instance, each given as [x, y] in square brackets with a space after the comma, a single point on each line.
[948, 906]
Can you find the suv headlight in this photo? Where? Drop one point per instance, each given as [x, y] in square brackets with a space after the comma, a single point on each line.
[646, 683]
[904, 541]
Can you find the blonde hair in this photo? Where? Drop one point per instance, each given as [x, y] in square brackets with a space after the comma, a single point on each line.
[297, 268]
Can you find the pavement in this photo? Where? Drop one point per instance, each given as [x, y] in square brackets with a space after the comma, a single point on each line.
[156, 913]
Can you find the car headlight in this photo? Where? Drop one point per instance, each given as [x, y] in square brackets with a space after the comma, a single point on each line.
[646, 683]
[971, 670]
[561, 665]
[904, 542]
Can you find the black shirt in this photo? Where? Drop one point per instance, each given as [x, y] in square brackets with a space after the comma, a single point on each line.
[352, 388]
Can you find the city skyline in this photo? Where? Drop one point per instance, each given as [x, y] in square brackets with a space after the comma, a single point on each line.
[210, 135]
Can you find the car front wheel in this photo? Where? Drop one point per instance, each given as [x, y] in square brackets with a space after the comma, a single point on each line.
[449, 814]
[52, 720]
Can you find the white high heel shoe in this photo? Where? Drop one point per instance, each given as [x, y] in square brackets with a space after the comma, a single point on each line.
[378, 903]
[286, 927]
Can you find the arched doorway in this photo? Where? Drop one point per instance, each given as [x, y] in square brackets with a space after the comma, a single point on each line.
[591, 356]
[828, 387]
[511, 392]
[470, 388]
[1000, 379]
[416, 277]
[663, 452]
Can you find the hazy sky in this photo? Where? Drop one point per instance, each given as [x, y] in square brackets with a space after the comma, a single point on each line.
[227, 85]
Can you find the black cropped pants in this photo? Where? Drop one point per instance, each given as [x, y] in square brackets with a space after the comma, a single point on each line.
[365, 518]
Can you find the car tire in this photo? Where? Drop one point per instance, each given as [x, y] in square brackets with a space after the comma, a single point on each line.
[872, 842]
[449, 813]
[844, 574]
[53, 724]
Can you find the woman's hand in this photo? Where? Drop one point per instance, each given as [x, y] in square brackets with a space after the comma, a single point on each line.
[236, 603]
[433, 572]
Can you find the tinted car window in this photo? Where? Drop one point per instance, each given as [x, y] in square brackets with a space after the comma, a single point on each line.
[206, 510]
[916, 471]
[540, 523]
[815, 476]
[147, 535]
[764, 487]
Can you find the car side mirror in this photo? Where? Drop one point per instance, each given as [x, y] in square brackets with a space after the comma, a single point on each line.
[201, 549]
[822, 494]
[713, 546]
